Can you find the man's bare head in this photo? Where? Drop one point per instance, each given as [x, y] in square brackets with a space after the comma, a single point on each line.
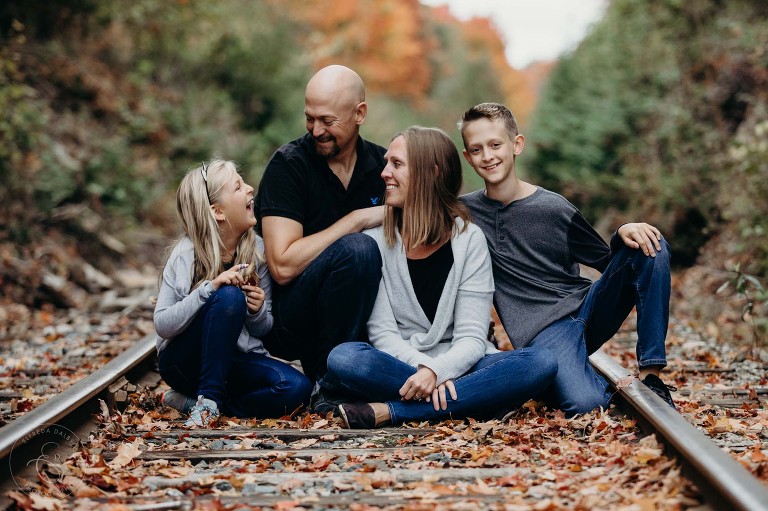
[334, 107]
[336, 83]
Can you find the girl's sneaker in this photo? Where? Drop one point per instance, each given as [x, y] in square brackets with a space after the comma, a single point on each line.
[177, 400]
[203, 413]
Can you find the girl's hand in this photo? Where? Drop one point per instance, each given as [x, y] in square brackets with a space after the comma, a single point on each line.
[438, 397]
[641, 235]
[230, 277]
[254, 298]
[420, 385]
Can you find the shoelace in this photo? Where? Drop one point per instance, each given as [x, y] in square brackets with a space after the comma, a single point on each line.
[201, 413]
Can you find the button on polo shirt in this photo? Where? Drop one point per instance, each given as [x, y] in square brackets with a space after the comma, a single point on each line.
[298, 184]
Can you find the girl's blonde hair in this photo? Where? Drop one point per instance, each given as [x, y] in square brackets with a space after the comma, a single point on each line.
[432, 199]
[200, 189]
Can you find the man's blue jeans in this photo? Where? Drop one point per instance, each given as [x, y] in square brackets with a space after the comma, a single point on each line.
[631, 279]
[204, 360]
[496, 384]
[329, 303]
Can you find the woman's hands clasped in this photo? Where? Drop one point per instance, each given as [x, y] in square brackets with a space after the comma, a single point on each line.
[254, 295]
[423, 385]
[439, 398]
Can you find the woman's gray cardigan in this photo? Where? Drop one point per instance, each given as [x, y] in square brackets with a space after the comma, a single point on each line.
[456, 339]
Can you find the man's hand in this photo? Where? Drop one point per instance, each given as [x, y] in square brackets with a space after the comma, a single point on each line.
[641, 235]
[289, 252]
[419, 385]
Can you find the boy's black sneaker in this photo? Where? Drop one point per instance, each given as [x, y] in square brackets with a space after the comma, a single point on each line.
[660, 388]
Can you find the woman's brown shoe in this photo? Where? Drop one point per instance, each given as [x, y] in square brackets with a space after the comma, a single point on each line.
[358, 415]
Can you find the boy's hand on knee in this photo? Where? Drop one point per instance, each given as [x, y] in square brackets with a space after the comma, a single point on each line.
[641, 235]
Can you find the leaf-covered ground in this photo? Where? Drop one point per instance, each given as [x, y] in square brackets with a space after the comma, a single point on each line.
[534, 459]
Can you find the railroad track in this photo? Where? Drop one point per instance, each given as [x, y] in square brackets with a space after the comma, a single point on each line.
[153, 464]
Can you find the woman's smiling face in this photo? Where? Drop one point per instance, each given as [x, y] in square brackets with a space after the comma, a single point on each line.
[396, 173]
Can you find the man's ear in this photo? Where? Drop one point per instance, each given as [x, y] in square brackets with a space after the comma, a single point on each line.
[519, 144]
[361, 110]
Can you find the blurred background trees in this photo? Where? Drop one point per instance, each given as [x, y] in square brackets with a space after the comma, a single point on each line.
[660, 114]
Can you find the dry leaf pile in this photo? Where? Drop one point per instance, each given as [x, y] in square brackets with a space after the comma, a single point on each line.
[48, 350]
[721, 389]
[535, 459]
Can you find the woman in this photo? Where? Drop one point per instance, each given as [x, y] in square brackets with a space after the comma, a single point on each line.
[428, 357]
[209, 318]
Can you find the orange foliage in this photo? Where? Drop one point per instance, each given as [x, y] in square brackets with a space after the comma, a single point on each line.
[387, 43]
[382, 40]
[484, 39]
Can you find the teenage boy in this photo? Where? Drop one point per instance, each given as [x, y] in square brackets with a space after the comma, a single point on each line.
[537, 240]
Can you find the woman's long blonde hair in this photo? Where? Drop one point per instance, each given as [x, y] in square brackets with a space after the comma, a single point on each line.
[432, 200]
[194, 198]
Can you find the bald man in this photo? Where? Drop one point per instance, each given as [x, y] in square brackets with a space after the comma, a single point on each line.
[317, 193]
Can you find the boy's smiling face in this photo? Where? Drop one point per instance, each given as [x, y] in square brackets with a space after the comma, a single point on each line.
[491, 150]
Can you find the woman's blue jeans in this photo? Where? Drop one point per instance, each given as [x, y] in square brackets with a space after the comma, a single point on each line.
[631, 279]
[204, 360]
[497, 383]
[329, 303]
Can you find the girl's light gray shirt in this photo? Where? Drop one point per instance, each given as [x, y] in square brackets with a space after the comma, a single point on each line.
[456, 339]
[177, 306]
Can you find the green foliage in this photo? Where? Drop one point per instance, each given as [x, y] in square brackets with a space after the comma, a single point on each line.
[745, 205]
[637, 119]
[22, 134]
[135, 92]
[755, 308]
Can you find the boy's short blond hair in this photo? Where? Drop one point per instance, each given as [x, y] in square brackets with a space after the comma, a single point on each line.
[493, 112]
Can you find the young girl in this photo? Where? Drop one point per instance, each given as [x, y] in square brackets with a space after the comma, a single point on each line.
[428, 357]
[209, 320]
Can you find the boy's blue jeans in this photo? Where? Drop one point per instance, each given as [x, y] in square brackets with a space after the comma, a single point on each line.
[497, 383]
[631, 279]
[204, 360]
[329, 303]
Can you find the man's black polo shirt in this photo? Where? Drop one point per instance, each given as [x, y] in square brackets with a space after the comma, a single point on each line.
[298, 184]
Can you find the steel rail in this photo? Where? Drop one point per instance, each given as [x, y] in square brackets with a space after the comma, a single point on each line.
[725, 482]
[74, 396]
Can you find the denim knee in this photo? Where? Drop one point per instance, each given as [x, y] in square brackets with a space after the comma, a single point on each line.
[229, 301]
[362, 252]
[662, 259]
[295, 388]
[544, 364]
[345, 358]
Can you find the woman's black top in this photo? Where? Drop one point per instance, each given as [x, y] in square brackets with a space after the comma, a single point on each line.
[428, 277]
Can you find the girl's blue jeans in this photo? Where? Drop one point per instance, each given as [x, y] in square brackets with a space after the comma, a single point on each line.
[631, 279]
[494, 385]
[204, 360]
